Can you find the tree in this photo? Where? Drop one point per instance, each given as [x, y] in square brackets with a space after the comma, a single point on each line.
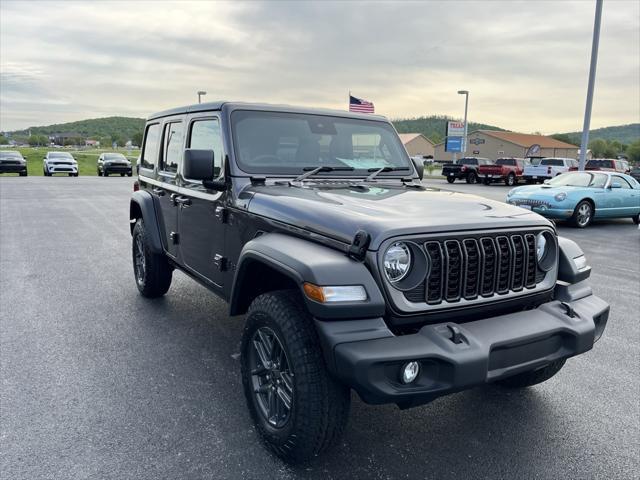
[633, 151]
[136, 139]
[436, 138]
[3, 140]
[563, 137]
[38, 140]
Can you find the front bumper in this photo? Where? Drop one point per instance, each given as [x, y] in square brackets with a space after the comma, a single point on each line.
[368, 357]
[551, 211]
[62, 168]
[12, 168]
[117, 168]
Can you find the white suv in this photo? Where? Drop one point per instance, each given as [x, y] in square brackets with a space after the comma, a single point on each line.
[59, 162]
[547, 168]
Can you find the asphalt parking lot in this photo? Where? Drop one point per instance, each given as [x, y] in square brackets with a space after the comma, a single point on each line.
[98, 382]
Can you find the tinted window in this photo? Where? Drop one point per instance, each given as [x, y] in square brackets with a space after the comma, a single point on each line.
[468, 161]
[60, 155]
[556, 162]
[173, 133]
[506, 161]
[600, 164]
[114, 156]
[150, 151]
[206, 135]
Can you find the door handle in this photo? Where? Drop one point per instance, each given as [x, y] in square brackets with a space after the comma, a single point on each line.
[158, 191]
[183, 201]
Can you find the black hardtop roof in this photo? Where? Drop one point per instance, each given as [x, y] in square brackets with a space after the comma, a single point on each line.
[212, 106]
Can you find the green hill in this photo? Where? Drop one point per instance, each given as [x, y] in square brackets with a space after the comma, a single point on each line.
[434, 126]
[624, 134]
[115, 127]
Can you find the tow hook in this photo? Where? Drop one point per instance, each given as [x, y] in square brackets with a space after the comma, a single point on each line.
[568, 310]
[456, 334]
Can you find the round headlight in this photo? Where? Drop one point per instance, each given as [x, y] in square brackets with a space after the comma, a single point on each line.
[397, 262]
[541, 246]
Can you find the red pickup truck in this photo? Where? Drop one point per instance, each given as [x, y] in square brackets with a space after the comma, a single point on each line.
[507, 170]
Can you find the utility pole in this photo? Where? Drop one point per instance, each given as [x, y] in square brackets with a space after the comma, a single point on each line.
[592, 80]
[466, 108]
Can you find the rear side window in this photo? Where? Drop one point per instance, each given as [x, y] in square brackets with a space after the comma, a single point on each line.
[506, 161]
[556, 162]
[173, 135]
[150, 150]
[621, 181]
[468, 161]
[206, 135]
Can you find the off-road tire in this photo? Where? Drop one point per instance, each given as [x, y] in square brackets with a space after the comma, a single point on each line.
[320, 406]
[156, 279]
[451, 179]
[472, 178]
[533, 377]
[510, 180]
[577, 219]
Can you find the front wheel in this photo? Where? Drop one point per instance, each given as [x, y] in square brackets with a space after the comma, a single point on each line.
[105, 173]
[472, 178]
[451, 179]
[152, 271]
[583, 214]
[23, 174]
[533, 377]
[299, 410]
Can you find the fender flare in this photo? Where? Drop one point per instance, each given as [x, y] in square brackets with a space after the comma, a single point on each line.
[304, 261]
[568, 271]
[142, 205]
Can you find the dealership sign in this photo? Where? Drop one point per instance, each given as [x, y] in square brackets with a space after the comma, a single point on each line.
[453, 144]
[455, 129]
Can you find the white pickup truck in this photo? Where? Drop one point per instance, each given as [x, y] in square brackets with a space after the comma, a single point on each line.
[547, 168]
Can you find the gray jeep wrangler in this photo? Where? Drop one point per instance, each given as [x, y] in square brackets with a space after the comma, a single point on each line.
[351, 274]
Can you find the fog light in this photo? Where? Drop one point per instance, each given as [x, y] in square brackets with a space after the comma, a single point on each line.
[410, 372]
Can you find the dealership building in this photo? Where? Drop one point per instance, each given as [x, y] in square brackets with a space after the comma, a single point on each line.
[493, 144]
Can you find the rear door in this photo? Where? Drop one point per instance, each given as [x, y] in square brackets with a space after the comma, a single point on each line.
[203, 215]
[168, 188]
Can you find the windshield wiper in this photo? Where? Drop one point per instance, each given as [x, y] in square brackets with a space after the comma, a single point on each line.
[376, 171]
[324, 168]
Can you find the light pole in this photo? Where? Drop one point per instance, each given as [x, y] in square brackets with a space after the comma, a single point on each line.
[466, 107]
[584, 144]
[200, 94]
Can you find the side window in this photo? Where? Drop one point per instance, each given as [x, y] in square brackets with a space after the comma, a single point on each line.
[150, 150]
[206, 135]
[621, 181]
[173, 135]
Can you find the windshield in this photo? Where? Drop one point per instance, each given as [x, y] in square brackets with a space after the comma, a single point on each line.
[10, 155]
[579, 179]
[60, 155]
[286, 143]
[600, 163]
[556, 162]
[114, 156]
[506, 161]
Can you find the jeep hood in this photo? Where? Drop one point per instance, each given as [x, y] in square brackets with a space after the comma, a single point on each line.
[382, 210]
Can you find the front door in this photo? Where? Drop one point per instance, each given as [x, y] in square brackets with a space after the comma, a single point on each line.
[202, 217]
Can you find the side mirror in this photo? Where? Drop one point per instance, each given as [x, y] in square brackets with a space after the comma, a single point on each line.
[616, 185]
[198, 164]
[419, 164]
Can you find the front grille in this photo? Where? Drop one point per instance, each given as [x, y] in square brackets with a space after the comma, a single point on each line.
[62, 163]
[10, 162]
[480, 266]
[530, 201]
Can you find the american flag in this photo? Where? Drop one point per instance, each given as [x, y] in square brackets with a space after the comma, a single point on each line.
[359, 105]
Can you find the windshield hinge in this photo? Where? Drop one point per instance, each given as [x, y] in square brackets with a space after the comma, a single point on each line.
[359, 245]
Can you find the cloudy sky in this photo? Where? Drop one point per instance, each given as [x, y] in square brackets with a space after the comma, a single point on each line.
[525, 63]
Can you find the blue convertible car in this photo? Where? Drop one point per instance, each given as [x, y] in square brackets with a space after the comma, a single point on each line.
[582, 196]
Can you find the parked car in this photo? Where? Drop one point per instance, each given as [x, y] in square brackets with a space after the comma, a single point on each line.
[548, 168]
[113, 163]
[12, 161]
[59, 162]
[465, 168]
[507, 170]
[581, 197]
[635, 172]
[348, 272]
[606, 164]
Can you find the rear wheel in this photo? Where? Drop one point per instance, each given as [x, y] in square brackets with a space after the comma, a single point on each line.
[152, 271]
[583, 214]
[510, 180]
[472, 177]
[122, 174]
[451, 179]
[298, 408]
[486, 181]
[533, 377]
[636, 219]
